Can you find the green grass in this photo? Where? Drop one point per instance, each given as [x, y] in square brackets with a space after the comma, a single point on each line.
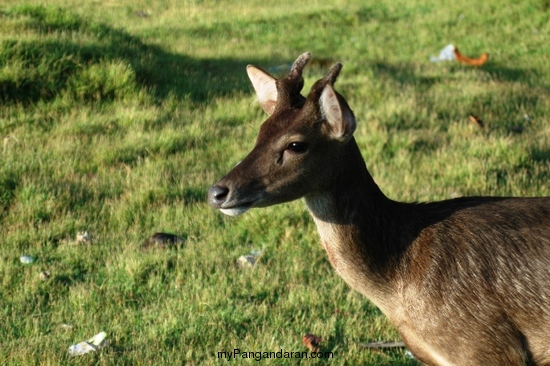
[116, 117]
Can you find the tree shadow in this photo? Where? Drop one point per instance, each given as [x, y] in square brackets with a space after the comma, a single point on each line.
[49, 62]
[501, 72]
[504, 107]
[407, 73]
[540, 155]
[404, 73]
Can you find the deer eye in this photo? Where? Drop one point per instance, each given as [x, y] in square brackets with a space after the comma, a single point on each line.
[297, 147]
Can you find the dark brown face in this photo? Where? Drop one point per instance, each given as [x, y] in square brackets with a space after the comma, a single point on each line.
[297, 145]
[289, 152]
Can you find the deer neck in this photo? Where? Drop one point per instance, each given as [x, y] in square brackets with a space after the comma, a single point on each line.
[353, 218]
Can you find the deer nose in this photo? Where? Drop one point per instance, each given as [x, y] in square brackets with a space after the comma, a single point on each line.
[217, 195]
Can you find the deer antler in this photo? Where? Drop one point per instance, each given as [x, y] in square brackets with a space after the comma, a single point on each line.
[329, 79]
[289, 87]
[299, 64]
[332, 75]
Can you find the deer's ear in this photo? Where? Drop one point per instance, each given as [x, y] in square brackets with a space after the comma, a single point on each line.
[337, 113]
[265, 87]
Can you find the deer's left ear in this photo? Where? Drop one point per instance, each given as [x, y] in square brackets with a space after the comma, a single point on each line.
[265, 87]
[337, 113]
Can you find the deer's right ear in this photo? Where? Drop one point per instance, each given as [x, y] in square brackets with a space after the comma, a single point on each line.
[265, 87]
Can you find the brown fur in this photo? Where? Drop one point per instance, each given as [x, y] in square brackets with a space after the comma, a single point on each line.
[466, 281]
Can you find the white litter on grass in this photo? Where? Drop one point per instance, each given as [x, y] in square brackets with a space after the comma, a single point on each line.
[91, 345]
[26, 259]
[249, 260]
[83, 237]
[447, 53]
[246, 261]
[44, 275]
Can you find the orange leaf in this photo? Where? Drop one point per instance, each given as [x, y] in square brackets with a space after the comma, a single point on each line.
[312, 342]
[476, 120]
[471, 61]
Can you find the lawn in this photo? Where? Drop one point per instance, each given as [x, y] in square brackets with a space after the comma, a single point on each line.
[117, 116]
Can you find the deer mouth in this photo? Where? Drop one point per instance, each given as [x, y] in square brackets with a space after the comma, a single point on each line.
[224, 199]
[236, 210]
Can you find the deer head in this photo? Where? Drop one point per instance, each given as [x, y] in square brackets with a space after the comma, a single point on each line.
[296, 146]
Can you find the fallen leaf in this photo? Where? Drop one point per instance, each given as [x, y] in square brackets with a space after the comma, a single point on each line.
[476, 120]
[312, 342]
[471, 61]
[451, 53]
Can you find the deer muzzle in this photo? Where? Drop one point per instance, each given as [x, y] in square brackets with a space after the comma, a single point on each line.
[219, 198]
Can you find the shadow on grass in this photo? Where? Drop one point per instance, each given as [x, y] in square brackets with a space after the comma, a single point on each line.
[64, 44]
[403, 73]
[406, 73]
[193, 195]
[500, 72]
[540, 155]
[503, 108]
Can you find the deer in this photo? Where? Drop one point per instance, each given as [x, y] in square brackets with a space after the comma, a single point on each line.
[466, 281]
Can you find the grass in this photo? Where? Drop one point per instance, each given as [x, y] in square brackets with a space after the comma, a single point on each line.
[116, 117]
